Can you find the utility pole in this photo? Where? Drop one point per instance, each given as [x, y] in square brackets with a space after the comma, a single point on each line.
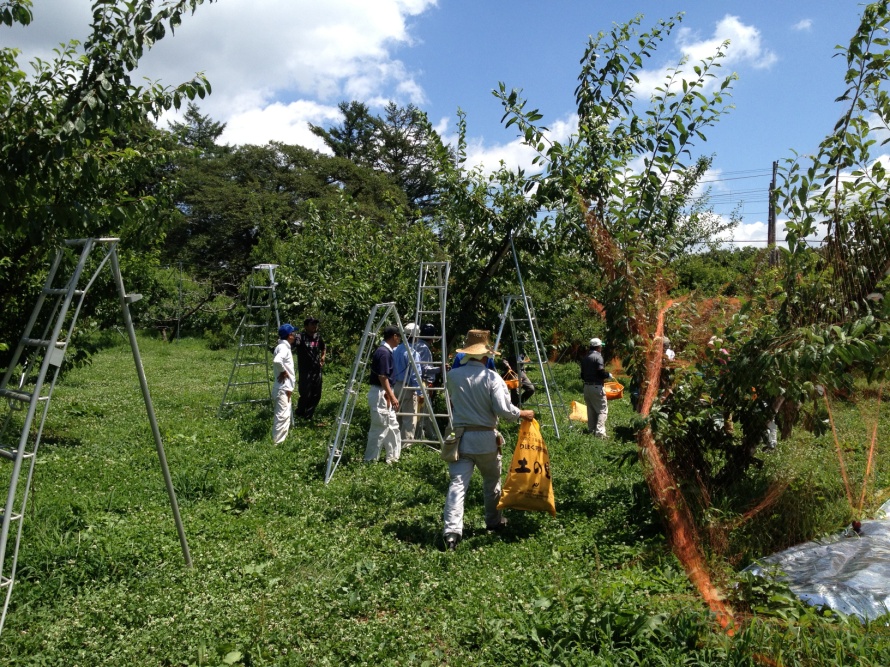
[771, 220]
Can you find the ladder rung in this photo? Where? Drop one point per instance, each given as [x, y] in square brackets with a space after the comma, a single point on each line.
[103, 239]
[22, 396]
[251, 363]
[61, 291]
[36, 342]
[253, 345]
[254, 400]
[5, 582]
[8, 453]
[15, 516]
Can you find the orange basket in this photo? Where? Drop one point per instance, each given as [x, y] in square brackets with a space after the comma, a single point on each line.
[511, 380]
[613, 390]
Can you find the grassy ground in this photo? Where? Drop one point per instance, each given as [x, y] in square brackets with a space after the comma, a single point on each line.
[291, 571]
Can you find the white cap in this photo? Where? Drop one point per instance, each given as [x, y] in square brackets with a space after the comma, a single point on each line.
[409, 328]
[596, 342]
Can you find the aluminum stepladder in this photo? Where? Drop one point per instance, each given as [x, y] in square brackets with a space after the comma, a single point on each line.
[526, 342]
[250, 380]
[432, 295]
[36, 362]
[381, 315]
[525, 329]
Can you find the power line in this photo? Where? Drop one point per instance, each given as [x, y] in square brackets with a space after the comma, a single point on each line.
[734, 178]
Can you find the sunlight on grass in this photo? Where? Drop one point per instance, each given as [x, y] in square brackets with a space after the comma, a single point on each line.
[289, 570]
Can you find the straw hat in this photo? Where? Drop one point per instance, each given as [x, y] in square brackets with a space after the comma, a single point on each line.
[477, 343]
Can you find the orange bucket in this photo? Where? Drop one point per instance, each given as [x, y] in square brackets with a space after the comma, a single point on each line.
[613, 390]
[511, 380]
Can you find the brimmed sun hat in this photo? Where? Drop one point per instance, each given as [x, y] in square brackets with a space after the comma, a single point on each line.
[477, 343]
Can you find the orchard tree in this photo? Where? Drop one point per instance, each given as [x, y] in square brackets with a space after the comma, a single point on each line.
[77, 150]
[637, 219]
[59, 123]
[826, 319]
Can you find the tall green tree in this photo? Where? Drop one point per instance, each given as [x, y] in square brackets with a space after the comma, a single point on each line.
[198, 131]
[234, 205]
[356, 138]
[400, 143]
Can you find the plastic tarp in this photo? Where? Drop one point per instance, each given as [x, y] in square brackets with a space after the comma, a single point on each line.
[849, 573]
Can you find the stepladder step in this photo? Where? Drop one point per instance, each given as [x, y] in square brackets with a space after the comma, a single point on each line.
[37, 342]
[18, 395]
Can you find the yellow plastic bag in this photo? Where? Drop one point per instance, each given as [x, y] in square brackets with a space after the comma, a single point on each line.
[529, 486]
[579, 412]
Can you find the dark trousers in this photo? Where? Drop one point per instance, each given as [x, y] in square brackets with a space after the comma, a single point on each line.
[527, 390]
[310, 394]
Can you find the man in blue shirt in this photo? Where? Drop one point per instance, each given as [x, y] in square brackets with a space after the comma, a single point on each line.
[382, 401]
[404, 377]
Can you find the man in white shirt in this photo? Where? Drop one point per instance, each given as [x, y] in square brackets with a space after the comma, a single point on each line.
[478, 397]
[285, 375]
[383, 403]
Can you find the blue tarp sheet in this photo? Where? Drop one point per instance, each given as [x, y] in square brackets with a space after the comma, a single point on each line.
[849, 573]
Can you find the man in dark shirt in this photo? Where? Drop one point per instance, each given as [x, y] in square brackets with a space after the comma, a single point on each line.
[309, 348]
[384, 433]
[527, 387]
[593, 373]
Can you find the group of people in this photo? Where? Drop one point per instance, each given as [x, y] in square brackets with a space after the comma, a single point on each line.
[479, 398]
[310, 349]
[395, 387]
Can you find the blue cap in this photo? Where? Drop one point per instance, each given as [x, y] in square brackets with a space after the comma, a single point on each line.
[285, 330]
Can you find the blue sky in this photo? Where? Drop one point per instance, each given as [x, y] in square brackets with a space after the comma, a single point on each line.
[277, 64]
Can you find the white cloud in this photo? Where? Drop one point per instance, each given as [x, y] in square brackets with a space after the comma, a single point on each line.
[261, 54]
[745, 48]
[287, 123]
[745, 44]
[515, 154]
[803, 24]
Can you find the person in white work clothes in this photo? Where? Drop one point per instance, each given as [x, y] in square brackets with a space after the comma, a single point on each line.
[285, 376]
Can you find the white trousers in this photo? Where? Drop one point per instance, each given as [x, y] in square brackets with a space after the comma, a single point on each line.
[461, 472]
[281, 420]
[384, 431]
[407, 403]
[597, 409]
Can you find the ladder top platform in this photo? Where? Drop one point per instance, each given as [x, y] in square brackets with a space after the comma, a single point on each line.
[104, 239]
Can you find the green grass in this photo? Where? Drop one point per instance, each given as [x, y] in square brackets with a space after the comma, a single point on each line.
[290, 571]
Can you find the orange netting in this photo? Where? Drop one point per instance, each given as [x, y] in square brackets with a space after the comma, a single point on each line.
[682, 534]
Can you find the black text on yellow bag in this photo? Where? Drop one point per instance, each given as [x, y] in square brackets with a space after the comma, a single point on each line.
[529, 486]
